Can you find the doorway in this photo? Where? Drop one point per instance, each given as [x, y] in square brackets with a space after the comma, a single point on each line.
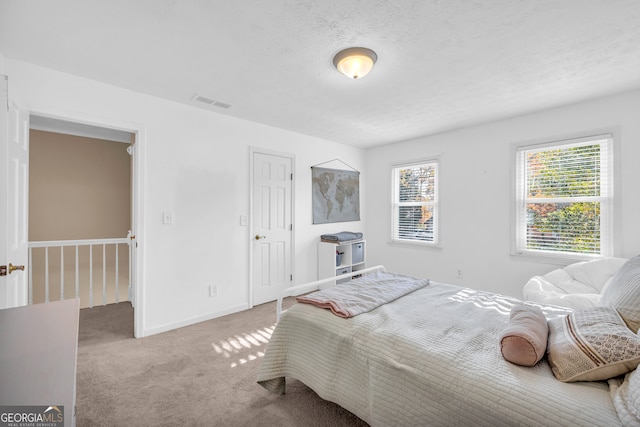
[271, 225]
[79, 213]
[132, 138]
[14, 142]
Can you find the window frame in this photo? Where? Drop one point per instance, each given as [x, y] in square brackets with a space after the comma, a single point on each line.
[435, 204]
[609, 202]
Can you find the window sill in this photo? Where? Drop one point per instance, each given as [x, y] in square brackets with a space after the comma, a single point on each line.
[415, 243]
[551, 258]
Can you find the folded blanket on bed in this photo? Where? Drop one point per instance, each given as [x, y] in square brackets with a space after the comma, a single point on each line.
[343, 236]
[363, 294]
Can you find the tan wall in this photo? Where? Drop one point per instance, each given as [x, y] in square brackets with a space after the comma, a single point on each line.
[79, 188]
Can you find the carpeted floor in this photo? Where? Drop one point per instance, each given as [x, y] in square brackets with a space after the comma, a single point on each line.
[201, 375]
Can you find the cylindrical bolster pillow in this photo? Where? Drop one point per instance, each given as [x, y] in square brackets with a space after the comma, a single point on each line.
[524, 340]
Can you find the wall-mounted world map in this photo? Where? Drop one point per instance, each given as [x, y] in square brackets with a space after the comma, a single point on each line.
[335, 194]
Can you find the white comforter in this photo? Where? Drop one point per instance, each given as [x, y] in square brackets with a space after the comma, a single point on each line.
[429, 358]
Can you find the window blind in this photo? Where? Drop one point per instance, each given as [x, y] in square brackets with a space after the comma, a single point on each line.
[414, 202]
[565, 198]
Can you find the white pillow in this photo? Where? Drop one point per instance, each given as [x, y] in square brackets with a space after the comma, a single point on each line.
[595, 273]
[626, 399]
[623, 293]
[539, 289]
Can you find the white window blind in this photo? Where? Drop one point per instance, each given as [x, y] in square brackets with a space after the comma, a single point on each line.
[415, 202]
[565, 198]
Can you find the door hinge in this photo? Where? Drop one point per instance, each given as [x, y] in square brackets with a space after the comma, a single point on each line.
[291, 177]
[291, 227]
[291, 277]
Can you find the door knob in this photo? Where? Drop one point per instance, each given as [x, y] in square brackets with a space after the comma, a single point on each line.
[13, 268]
[258, 237]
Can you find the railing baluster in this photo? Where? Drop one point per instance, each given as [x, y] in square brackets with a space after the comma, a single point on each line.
[46, 274]
[104, 274]
[91, 276]
[61, 273]
[117, 275]
[77, 274]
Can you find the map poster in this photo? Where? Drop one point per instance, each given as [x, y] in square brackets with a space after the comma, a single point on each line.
[335, 194]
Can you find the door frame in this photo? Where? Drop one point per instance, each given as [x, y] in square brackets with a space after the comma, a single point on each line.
[137, 195]
[252, 151]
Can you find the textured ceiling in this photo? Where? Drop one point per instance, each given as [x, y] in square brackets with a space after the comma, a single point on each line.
[442, 64]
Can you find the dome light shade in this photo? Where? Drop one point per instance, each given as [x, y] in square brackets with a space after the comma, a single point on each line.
[355, 62]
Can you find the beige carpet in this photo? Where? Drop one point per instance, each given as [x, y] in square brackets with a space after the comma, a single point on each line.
[201, 375]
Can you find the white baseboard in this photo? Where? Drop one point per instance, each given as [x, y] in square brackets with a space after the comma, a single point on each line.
[194, 320]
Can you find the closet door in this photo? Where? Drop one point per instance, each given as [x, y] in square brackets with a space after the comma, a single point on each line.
[272, 230]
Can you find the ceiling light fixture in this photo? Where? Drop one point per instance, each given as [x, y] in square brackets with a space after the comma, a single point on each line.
[355, 62]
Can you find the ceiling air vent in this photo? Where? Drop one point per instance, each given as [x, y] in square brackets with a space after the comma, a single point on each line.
[221, 104]
[209, 101]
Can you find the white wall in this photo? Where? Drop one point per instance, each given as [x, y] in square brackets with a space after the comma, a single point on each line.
[196, 164]
[475, 187]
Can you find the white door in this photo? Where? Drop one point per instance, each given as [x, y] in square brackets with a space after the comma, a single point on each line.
[272, 226]
[14, 149]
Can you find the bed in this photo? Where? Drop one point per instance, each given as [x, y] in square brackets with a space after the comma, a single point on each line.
[431, 357]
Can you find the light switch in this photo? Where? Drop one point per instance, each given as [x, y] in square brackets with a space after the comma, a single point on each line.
[167, 217]
[244, 220]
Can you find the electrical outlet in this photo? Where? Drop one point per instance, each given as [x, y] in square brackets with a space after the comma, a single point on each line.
[459, 273]
[213, 291]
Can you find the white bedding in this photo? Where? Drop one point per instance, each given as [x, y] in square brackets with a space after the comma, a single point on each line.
[429, 358]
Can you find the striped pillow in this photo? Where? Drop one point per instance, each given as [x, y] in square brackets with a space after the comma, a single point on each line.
[623, 293]
[591, 344]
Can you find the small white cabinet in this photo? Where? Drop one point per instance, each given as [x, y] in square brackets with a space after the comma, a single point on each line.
[335, 259]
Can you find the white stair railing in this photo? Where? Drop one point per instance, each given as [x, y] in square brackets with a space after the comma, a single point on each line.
[86, 285]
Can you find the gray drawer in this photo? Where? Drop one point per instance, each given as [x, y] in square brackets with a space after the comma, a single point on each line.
[357, 253]
[340, 271]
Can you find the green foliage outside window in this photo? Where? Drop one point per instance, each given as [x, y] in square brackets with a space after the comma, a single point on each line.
[562, 199]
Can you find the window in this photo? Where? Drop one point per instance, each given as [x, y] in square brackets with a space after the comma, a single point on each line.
[415, 202]
[564, 198]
